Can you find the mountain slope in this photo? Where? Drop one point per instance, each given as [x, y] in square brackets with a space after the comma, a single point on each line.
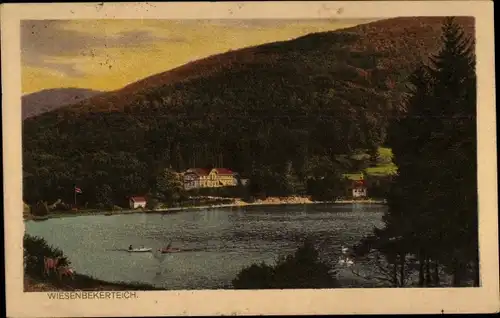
[49, 99]
[400, 43]
[274, 112]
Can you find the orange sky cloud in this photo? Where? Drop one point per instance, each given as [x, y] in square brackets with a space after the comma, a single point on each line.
[109, 54]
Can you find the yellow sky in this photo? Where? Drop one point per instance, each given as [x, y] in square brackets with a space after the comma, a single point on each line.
[109, 54]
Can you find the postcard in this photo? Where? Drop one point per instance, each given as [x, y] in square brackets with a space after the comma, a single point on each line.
[249, 158]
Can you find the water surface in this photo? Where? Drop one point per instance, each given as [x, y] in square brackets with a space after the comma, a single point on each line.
[216, 244]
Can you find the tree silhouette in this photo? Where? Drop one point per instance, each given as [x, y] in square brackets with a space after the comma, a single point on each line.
[432, 214]
[303, 269]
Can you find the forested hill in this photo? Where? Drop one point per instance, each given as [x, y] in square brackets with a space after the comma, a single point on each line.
[284, 109]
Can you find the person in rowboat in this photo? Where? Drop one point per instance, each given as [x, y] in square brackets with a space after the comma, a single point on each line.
[166, 249]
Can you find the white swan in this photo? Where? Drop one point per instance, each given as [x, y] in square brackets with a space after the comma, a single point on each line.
[344, 249]
[344, 259]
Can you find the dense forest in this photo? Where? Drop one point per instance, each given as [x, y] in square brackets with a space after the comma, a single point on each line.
[288, 115]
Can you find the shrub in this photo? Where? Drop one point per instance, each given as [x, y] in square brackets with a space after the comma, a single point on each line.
[303, 269]
[152, 202]
[61, 206]
[228, 191]
[40, 209]
[255, 277]
[35, 249]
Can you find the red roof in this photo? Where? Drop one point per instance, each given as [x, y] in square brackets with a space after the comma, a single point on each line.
[199, 171]
[138, 199]
[359, 183]
[205, 172]
[223, 171]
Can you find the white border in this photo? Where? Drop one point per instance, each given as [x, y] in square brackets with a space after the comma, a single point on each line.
[451, 300]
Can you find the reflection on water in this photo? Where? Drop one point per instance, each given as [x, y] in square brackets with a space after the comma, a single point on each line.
[215, 244]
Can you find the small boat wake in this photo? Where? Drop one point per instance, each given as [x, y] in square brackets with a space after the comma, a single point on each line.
[192, 250]
[176, 250]
[158, 253]
[117, 250]
[169, 249]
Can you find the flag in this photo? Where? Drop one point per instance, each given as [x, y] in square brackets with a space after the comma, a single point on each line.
[78, 190]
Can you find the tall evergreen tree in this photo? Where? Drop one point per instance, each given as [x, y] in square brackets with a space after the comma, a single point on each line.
[433, 204]
[455, 145]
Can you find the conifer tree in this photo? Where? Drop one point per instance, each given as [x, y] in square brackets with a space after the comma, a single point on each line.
[454, 145]
[433, 204]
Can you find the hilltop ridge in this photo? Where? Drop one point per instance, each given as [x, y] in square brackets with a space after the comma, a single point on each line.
[47, 100]
[417, 37]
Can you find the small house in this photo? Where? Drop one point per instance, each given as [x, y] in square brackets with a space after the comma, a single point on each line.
[360, 192]
[359, 189]
[355, 185]
[137, 202]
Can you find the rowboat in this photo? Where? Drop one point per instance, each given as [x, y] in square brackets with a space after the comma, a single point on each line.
[169, 250]
[139, 250]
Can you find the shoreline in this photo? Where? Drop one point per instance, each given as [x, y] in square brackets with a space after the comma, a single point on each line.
[82, 282]
[237, 204]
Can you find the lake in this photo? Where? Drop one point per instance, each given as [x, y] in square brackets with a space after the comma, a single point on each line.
[216, 244]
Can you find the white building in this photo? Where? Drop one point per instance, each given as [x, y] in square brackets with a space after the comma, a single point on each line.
[137, 202]
[359, 192]
[208, 178]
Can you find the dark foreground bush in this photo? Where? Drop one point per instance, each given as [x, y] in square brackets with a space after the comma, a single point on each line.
[35, 250]
[300, 270]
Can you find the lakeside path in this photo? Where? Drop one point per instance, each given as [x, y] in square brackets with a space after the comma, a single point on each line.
[238, 203]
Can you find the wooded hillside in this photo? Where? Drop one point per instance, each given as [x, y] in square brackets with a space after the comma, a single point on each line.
[278, 113]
